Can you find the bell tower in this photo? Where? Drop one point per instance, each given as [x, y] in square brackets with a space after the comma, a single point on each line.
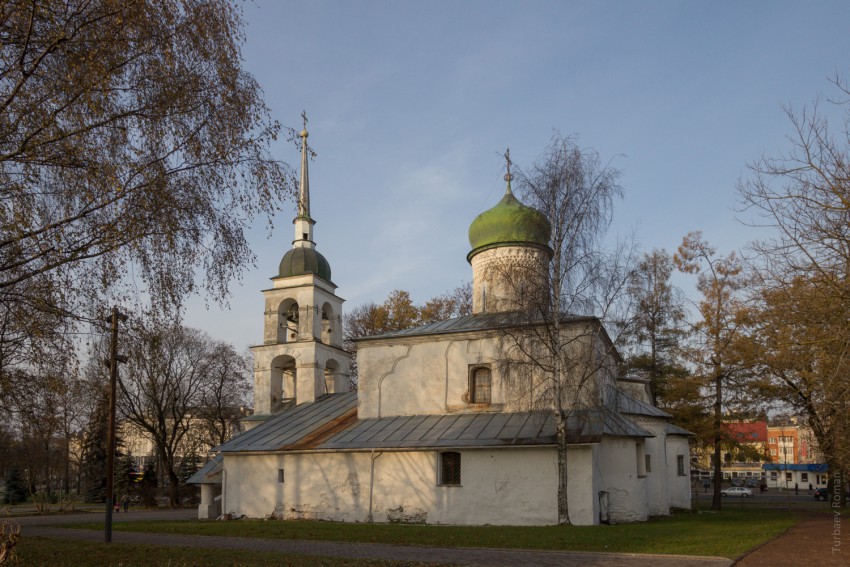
[301, 357]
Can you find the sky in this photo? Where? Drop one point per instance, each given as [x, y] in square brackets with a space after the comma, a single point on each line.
[411, 106]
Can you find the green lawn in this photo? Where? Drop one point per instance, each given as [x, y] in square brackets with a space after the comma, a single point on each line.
[66, 553]
[728, 534]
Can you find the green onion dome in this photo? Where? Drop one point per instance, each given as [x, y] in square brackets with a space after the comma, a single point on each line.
[508, 223]
[301, 261]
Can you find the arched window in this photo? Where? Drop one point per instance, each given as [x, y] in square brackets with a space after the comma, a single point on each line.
[480, 385]
[327, 330]
[292, 322]
[331, 369]
[288, 318]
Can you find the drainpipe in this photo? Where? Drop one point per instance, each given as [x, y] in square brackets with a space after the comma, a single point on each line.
[223, 489]
[373, 458]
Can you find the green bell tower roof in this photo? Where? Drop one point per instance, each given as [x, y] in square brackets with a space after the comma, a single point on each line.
[303, 261]
[508, 223]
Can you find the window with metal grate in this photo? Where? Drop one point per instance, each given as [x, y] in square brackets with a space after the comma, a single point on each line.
[450, 469]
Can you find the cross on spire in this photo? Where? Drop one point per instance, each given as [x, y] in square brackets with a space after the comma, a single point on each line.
[508, 175]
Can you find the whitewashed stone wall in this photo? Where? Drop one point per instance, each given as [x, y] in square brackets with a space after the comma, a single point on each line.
[500, 487]
[657, 496]
[583, 485]
[430, 375]
[424, 377]
[679, 486]
[627, 494]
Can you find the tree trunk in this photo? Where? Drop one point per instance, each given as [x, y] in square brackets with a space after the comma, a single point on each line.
[173, 488]
[563, 500]
[66, 480]
[715, 500]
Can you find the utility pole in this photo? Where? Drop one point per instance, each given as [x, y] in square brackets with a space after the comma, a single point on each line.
[114, 359]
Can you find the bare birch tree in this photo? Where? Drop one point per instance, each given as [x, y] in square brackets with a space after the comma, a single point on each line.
[134, 152]
[558, 354]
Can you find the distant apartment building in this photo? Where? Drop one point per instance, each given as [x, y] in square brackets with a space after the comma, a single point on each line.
[794, 454]
[781, 452]
[792, 442]
[746, 449]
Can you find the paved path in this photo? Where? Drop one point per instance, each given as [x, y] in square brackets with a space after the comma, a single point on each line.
[37, 526]
[811, 542]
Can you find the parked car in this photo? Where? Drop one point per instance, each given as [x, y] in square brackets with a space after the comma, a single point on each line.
[741, 491]
[737, 482]
[821, 494]
[753, 482]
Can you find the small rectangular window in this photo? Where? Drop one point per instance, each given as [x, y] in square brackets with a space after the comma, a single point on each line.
[280, 475]
[450, 469]
[648, 463]
[680, 465]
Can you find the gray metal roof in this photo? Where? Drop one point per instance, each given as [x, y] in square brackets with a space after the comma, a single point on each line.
[455, 430]
[676, 430]
[331, 423]
[298, 428]
[210, 473]
[480, 430]
[627, 404]
[476, 322]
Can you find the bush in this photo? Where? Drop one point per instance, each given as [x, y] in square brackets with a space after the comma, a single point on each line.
[16, 489]
[10, 533]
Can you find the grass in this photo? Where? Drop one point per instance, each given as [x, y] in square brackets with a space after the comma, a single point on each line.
[727, 534]
[34, 551]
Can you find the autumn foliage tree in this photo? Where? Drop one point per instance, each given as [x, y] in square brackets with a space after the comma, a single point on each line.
[719, 331]
[801, 350]
[803, 197]
[130, 139]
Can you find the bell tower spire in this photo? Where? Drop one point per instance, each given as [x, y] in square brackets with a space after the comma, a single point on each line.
[303, 223]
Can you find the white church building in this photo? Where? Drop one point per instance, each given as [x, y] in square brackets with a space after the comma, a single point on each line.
[449, 425]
